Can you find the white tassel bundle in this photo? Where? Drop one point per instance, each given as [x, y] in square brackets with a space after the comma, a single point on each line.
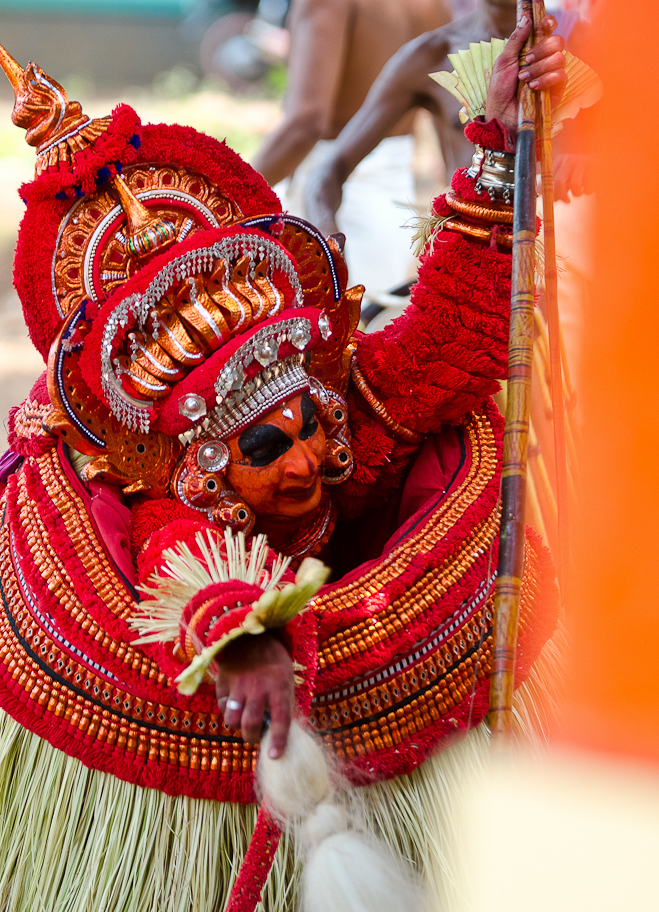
[346, 869]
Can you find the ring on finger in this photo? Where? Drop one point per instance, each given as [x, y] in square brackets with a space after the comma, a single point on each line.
[234, 705]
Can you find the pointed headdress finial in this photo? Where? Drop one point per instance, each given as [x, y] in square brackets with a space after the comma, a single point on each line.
[13, 70]
[42, 108]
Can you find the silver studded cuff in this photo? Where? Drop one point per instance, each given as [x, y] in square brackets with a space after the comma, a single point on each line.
[494, 173]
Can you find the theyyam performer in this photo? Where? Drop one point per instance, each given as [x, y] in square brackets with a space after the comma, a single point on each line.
[208, 406]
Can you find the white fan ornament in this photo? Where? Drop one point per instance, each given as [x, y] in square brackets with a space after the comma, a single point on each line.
[472, 73]
[158, 618]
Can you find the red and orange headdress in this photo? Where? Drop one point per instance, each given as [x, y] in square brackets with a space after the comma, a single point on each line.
[173, 298]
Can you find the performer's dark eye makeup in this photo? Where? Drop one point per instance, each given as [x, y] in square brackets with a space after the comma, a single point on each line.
[309, 420]
[263, 443]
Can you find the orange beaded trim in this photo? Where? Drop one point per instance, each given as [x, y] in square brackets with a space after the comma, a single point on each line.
[54, 669]
[412, 694]
[388, 623]
[483, 467]
[80, 531]
[405, 434]
[494, 213]
[483, 234]
[28, 419]
[384, 714]
[441, 685]
[100, 709]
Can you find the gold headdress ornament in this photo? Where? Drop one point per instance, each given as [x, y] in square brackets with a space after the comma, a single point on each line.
[147, 251]
[55, 125]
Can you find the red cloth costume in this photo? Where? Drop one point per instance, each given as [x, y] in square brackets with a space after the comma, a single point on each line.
[395, 654]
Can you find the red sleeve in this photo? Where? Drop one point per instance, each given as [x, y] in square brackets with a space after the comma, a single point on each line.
[445, 354]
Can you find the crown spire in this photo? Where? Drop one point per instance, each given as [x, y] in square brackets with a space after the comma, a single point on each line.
[41, 106]
[13, 70]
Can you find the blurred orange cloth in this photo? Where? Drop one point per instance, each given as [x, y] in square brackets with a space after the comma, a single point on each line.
[613, 684]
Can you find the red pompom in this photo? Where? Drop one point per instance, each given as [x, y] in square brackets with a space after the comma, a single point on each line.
[491, 134]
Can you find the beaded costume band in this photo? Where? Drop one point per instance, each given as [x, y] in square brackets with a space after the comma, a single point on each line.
[72, 669]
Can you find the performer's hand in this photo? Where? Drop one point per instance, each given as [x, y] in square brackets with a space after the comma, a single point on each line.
[255, 677]
[544, 69]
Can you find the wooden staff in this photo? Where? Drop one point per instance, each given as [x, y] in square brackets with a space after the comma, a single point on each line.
[553, 322]
[515, 441]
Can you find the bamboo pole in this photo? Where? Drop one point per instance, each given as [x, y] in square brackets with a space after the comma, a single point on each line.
[547, 498]
[515, 443]
[541, 375]
[534, 507]
[553, 321]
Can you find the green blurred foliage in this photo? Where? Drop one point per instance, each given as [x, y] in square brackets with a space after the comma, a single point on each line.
[277, 80]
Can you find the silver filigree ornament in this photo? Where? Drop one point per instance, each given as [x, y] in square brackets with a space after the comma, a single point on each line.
[192, 406]
[266, 351]
[130, 411]
[262, 347]
[259, 396]
[139, 308]
[231, 379]
[324, 326]
[213, 456]
[236, 378]
[300, 335]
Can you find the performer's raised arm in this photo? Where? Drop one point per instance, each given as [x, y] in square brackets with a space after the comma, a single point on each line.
[448, 350]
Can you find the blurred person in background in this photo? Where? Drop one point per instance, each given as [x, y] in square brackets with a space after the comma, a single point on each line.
[402, 87]
[338, 48]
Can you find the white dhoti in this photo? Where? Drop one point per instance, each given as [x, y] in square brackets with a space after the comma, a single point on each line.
[378, 199]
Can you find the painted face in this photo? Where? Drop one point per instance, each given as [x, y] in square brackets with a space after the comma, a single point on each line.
[275, 464]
